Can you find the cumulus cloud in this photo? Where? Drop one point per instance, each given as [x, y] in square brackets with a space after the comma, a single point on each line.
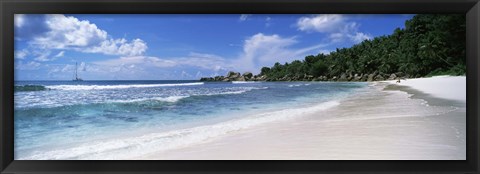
[264, 50]
[321, 23]
[338, 27]
[69, 33]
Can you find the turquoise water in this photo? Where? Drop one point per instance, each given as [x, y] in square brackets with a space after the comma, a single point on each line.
[123, 119]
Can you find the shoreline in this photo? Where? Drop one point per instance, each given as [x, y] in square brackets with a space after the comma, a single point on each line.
[385, 129]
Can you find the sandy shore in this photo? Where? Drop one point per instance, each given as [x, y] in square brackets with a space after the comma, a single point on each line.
[418, 119]
[446, 87]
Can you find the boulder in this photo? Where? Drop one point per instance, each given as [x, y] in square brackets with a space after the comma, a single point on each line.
[334, 78]
[392, 77]
[364, 78]
[219, 78]
[233, 75]
[262, 78]
[357, 77]
[379, 78]
[371, 77]
[207, 79]
[400, 74]
[343, 77]
[241, 78]
[225, 80]
[350, 76]
[247, 75]
[230, 74]
[236, 75]
[309, 77]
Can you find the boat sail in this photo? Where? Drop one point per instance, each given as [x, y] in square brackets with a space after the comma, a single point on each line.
[76, 73]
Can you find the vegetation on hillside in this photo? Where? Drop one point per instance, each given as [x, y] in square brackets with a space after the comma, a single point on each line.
[429, 44]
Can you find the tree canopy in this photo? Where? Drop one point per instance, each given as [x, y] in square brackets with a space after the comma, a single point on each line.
[429, 44]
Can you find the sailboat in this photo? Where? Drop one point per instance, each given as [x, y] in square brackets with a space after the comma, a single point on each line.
[76, 73]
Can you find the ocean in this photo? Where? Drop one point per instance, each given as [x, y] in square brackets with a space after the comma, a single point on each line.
[109, 120]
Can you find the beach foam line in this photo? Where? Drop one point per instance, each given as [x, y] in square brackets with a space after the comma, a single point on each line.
[131, 147]
[242, 82]
[174, 99]
[233, 92]
[171, 99]
[295, 85]
[102, 87]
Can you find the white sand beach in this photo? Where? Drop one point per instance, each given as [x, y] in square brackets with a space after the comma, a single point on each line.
[447, 87]
[417, 119]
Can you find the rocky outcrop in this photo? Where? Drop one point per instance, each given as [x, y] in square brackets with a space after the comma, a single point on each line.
[247, 75]
[379, 78]
[234, 76]
[343, 77]
[392, 77]
[357, 77]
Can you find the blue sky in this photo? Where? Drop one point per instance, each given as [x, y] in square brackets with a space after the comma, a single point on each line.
[169, 47]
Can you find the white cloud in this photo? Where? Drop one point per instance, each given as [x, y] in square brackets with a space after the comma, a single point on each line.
[244, 17]
[337, 37]
[359, 37]
[43, 55]
[203, 61]
[19, 20]
[119, 47]
[32, 65]
[21, 54]
[138, 61]
[83, 66]
[60, 54]
[337, 26]
[70, 33]
[264, 50]
[268, 21]
[321, 23]
[148, 67]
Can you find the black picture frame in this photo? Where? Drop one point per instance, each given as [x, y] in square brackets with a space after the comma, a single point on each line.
[471, 8]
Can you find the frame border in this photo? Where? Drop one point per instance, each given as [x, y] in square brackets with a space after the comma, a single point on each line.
[471, 8]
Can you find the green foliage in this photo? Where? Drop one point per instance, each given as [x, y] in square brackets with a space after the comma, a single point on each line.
[428, 45]
[318, 69]
[264, 71]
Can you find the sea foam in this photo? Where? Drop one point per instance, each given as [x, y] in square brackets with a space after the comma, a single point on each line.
[171, 99]
[242, 82]
[101, 87]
